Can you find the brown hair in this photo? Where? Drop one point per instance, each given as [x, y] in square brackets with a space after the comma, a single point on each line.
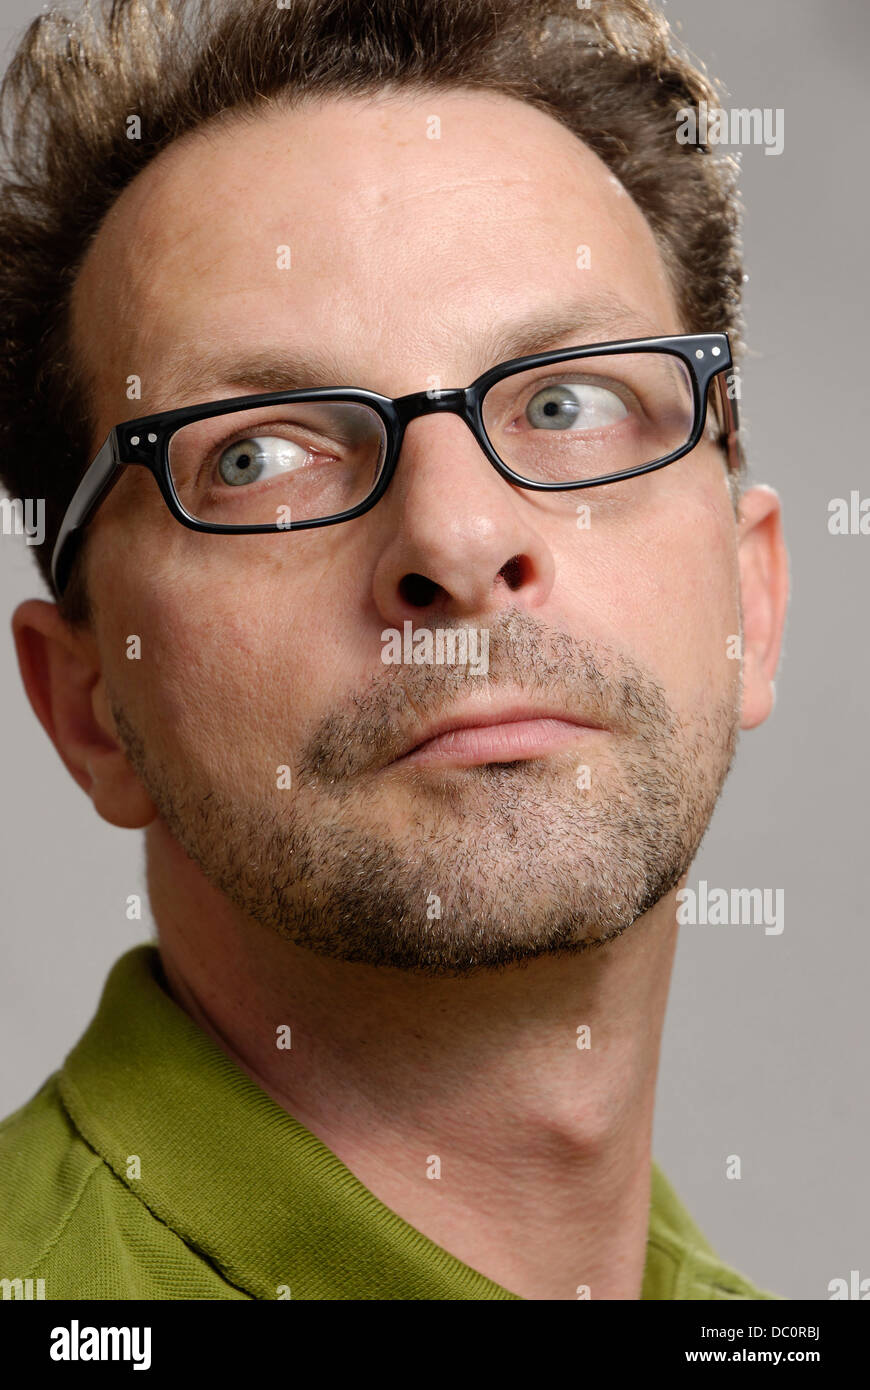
[611, 73]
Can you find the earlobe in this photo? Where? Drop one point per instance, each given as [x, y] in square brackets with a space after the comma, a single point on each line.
[60, 669]
[119, 796]
[763, 567]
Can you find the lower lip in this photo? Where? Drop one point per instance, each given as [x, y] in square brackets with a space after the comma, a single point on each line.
[498, 743]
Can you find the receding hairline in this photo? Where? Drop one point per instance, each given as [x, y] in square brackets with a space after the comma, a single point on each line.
[602, 310]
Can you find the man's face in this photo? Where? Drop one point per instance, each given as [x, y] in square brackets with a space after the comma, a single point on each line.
[409, 258]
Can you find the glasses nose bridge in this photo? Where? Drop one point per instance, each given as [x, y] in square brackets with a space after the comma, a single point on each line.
[450, 402]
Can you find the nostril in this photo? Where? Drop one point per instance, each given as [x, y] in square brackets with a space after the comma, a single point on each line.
[417, 590]
[513, 572]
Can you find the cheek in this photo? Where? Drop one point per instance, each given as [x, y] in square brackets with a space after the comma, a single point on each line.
[657, 578]
[230, 677]
[246, 641]
[697, 596]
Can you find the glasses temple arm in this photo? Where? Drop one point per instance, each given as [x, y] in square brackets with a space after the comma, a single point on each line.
[100, 477]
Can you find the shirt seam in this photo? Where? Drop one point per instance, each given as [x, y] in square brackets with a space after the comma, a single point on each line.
[46, 1249]
[687, 1267]
[102, 1162]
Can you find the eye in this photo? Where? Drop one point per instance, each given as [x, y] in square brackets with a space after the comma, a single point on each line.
[265, 456]
[575, 405]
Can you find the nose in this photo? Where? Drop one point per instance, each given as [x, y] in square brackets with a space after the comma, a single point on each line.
[459, 538]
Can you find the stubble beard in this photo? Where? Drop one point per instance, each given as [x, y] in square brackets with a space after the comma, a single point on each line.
[469, 869]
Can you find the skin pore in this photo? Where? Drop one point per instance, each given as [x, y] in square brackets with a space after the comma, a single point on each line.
[414, 1034]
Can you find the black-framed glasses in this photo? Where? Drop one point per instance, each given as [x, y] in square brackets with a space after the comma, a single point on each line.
[574, 418]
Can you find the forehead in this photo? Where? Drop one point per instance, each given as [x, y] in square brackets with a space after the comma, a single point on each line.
[397, 230]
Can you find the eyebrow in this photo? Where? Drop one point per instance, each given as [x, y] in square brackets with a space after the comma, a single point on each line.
[193, 370]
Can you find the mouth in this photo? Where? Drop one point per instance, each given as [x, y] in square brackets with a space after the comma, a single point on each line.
[501, 736]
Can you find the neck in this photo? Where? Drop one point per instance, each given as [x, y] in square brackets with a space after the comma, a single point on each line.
[464, 1105]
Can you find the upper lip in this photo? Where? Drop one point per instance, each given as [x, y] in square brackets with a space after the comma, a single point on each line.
[477, 718]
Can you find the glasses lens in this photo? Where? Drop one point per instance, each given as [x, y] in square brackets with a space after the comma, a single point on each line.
[283, 463]
[586, 417]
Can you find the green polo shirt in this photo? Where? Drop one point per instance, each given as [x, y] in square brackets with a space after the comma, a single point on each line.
[151, 1167]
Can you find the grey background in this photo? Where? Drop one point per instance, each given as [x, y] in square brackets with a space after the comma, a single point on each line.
[765, 1047]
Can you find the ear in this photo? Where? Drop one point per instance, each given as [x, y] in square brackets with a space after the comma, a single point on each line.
[61, 670]
[763, 564]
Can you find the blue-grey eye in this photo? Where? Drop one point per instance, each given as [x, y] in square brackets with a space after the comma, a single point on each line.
[250, 459]
[575, 405]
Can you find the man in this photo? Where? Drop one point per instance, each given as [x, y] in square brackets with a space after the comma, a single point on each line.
[420, 784]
